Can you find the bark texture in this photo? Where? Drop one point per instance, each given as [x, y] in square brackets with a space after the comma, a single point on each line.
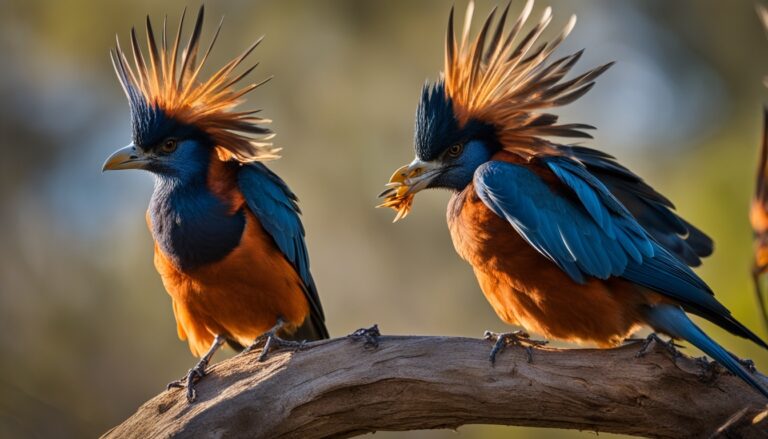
[341, 388]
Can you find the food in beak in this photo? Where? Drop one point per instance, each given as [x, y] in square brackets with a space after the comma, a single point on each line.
[397, 195]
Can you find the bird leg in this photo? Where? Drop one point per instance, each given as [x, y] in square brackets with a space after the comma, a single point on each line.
[196, 373]
[272, 341]
[514, 338]
[670, 346]
[371, 336]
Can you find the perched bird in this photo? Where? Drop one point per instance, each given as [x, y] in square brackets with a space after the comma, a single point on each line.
[758, 216]
[563, 240]
[758, 211]
[229, 243]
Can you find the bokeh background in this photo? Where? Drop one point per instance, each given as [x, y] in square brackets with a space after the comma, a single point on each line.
[86, 329]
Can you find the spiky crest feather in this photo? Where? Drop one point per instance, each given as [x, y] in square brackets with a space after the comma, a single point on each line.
[506, 83]
[171, 85]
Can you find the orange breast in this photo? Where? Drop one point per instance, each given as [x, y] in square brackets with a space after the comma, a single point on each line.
[527, 289]
[758, 216]
[240, 296]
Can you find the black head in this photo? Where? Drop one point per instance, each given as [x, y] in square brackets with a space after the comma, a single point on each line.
[151, 125]
[161, 144]
[437, 128]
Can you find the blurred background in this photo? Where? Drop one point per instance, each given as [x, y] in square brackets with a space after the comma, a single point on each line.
[86, 330]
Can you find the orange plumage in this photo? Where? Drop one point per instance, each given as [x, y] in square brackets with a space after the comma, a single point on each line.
[229, 243]
[758, 217]
[758, 211]
[563, 239]
[235, 296]
[172, 83]
[527, 289]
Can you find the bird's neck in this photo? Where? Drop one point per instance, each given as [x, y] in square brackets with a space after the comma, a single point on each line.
[192, 225]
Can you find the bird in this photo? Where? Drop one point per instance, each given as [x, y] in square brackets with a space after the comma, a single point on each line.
[228, 238]
[758, 209]
[758, 218]
[563, 240]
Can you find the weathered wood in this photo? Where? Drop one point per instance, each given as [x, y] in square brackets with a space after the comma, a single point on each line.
[339, 388]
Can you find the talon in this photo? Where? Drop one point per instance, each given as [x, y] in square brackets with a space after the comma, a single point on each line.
[193, 376]
[516, 338]
[708, 368]
[196, 373]
[670, 346]
[272, 342]
[371, 336]
[748, 364]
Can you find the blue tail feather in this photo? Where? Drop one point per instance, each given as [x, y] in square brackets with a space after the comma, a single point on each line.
[674, 321]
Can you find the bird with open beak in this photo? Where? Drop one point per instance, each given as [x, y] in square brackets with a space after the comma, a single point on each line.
[564, 240]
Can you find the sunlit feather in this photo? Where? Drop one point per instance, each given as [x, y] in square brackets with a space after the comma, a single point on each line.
[172, 84]
[507, 82]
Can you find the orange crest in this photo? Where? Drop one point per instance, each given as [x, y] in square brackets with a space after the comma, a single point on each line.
[171, 84]
[506, 81]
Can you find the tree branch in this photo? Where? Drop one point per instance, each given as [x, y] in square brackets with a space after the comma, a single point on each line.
[339, 388]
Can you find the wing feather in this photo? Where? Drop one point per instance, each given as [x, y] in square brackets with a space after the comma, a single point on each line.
[273, 203]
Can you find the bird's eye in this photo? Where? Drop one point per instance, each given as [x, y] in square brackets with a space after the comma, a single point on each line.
[455, 150]
[169, 145]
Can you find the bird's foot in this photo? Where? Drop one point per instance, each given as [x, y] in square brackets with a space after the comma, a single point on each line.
[708, 369]
[514, 338]
[370, 335]
[747, 363]
[653, 338]
[271, 342]
[198, 372]
[193, 376]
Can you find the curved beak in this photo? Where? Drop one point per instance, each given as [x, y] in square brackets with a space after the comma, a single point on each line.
[128, 157]
[406, 182]
[416, 176]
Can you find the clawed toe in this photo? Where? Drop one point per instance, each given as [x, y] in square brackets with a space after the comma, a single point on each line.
[371, 336]
[515, 338]
[272, 342]
[198, 372]
[707, 369]
[193, 376]
[748, 364]
[670, 346]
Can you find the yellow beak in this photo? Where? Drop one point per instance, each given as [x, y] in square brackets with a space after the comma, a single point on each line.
[405, 183]
[128, 157]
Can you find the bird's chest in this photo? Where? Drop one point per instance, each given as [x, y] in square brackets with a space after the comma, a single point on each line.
[192, 226]
[482, 238]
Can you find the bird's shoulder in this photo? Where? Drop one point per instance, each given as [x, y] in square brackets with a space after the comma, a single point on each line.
[222, 181]
[574, 221]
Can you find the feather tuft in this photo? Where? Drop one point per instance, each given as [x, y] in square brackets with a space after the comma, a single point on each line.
[507, 82]
[168, 81]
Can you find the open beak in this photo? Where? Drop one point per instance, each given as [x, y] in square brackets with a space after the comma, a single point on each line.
[405, 183]
[128, 157]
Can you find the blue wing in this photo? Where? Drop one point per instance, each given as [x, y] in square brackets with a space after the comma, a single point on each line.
[273, 203]
[586, 231]
[652, 210]
[596, 237]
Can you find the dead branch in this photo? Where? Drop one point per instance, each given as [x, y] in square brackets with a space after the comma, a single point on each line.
[340, 388]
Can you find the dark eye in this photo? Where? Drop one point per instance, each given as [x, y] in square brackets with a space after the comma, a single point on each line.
[455, 150]
[169, 145]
